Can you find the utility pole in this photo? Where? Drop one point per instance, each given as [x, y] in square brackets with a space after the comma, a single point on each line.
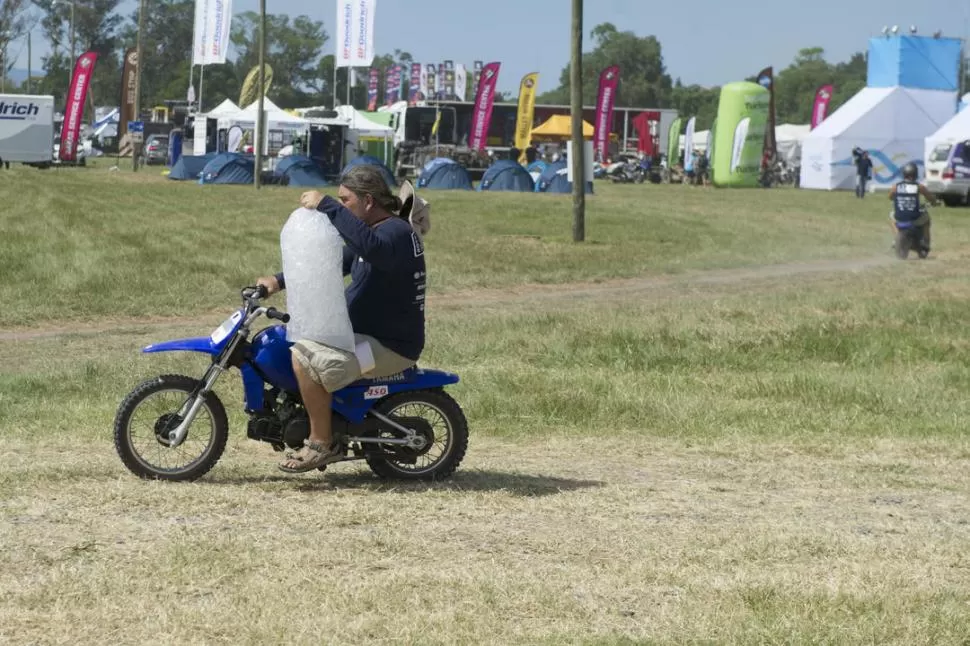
[29, 58]
[576, 96]
[261, 78]
[136, 148]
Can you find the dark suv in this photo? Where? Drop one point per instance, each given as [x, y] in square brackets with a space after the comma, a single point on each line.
[156, 149]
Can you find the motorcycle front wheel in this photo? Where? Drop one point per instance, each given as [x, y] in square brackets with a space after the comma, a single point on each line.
[434, 415]
[153, 409]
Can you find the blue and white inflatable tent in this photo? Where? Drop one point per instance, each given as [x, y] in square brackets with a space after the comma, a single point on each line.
[507, 175]
[228, 168]
[298, 170]
[189, 167]
[442, 173]
[554, 179]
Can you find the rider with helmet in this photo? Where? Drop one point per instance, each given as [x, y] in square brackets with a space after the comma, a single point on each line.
[907, 207]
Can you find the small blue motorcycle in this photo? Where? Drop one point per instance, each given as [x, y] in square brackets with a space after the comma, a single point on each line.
[404, 426]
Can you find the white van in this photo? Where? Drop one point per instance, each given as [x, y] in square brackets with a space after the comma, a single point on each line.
[26, 128]
[948, 172]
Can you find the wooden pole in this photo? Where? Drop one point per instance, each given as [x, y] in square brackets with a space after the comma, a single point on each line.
[137, 148]
[576, 95]
[260, 116]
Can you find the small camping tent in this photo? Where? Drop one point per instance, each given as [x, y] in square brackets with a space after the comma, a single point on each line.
[297, 170]
[444, 174]
[373, 161]
[535, 169]
[188, 167]
[555, 179]
[559, 126]
[228, 168]
[507, 175]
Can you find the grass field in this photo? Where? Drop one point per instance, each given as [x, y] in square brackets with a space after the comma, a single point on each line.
[728, 417]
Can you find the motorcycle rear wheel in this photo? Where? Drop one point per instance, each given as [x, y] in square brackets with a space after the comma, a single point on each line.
[136, 459]
[450, 436]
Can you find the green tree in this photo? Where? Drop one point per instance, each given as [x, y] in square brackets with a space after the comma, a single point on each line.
[696, 101]
[644, 81]
[292, 50]
[166, 52]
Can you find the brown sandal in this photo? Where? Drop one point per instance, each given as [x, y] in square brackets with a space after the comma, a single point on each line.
[312, 456]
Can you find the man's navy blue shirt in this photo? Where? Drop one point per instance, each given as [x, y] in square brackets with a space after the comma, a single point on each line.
[385, 298]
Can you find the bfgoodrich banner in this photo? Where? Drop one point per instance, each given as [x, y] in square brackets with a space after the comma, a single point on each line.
[75, 105]
[484, 100]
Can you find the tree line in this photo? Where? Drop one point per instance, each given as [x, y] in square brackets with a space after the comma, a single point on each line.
[303, 75]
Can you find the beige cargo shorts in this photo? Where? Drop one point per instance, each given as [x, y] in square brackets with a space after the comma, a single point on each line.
[334, 368]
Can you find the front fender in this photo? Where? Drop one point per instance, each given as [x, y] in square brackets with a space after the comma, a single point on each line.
[196, 344]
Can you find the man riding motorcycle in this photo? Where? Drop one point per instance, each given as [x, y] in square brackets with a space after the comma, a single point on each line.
[908, 211]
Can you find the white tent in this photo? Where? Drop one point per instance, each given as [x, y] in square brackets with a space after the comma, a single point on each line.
[891, 123]
[954, 130]
[276, 118]
[701, 140]
[789, 138]
[224, 109]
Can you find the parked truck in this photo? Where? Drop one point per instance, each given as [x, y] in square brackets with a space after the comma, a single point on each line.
[27, 129]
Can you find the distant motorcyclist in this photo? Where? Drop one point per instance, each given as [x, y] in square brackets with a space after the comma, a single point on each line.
[908, 209]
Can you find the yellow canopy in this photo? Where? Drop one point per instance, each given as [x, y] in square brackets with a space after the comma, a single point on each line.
[560, 126]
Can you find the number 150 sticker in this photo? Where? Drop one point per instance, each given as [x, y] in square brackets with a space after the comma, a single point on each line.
[375, 392]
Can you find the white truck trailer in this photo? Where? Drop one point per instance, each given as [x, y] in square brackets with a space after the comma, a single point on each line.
[26, 129]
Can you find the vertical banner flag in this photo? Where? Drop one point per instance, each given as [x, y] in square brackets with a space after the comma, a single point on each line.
[484, 100]
[461, 82]
[372, 83]
[526, 114]
[355, 32]
[766, 79]
[210, 36]
[823, 96]
[128, 75]
[689, 139]
[423, 89]
[673, 143]
[388, 85]
[605, 99]
[402, 79]
[432, 72]
[449, 79]
[476, 77]
[74, 110]
[415, 83]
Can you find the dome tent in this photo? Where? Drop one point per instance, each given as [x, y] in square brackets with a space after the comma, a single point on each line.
[507, 175]
[189, 167]
[554, 179]
[373, 161]
[297, 170]
[444, 174]
[228, 168]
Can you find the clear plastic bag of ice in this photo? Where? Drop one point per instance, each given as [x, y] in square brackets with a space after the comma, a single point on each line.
[312, 252]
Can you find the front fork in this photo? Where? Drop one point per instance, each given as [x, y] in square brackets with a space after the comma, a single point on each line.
[191, 407]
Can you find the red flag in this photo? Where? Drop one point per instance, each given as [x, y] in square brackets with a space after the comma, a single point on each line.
[823, 96]
[484, 100]
[605, 99]
[74, 111]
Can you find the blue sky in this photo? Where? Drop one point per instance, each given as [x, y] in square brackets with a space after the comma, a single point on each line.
[709, 42]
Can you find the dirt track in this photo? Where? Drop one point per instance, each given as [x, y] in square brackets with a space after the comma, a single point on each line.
[605, 290]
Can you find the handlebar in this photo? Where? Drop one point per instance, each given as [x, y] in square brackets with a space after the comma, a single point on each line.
[253, 294]
[273, 313]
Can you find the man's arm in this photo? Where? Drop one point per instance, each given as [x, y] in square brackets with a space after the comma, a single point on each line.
[925, 192]
[349, 256]
[362, 240]
[892, 192]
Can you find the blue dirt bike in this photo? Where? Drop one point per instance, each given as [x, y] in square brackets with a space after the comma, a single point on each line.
[404, 426]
